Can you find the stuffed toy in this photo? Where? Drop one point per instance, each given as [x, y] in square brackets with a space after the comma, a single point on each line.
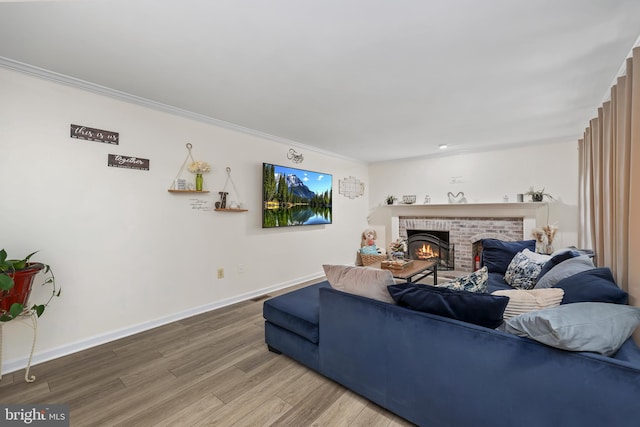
[368, 242]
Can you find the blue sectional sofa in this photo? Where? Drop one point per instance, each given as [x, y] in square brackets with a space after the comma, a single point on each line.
[441, 372]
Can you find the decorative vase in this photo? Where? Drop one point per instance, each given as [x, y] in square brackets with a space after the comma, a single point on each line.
[198, 182]
[21, 290]
[537, 197]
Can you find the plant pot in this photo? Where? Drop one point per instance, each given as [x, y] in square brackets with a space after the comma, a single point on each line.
[537, 197]
[21, 290]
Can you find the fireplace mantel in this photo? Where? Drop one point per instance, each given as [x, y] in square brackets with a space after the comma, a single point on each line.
[533, 214]
[518, 209]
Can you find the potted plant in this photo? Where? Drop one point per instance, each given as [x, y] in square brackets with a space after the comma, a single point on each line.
[16, 282]
[537, 195]
[391, 199]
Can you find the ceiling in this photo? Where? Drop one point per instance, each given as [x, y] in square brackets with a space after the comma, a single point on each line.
[364, 79]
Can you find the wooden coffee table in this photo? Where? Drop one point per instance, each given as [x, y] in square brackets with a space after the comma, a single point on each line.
[415, 272]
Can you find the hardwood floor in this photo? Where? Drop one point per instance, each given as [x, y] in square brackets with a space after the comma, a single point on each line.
[208, 370]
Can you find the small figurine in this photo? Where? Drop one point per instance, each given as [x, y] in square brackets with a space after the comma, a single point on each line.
[223, 199]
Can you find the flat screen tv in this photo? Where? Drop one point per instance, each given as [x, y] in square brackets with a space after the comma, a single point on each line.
[293, 196]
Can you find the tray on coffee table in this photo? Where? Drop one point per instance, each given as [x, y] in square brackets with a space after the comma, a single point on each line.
[415, 272]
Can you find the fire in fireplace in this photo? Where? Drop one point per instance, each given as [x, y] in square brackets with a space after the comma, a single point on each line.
[426, 252]
[431, 245]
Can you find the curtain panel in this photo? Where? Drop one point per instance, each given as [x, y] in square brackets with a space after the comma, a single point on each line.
[609, 182]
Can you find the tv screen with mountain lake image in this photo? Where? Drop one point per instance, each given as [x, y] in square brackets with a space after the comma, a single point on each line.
[293, 196]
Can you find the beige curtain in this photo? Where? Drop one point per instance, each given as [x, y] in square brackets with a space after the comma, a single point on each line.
[609, 185]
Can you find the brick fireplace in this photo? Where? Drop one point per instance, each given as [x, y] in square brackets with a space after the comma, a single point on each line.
[466, 224]
[463, 232]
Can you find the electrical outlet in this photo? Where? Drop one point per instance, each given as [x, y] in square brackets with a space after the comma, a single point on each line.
[241, 268]
[221, 273]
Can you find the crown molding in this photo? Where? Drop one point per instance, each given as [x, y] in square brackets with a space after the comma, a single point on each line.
[158, 106]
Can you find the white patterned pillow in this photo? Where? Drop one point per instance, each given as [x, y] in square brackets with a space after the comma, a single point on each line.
[474, 282]
[524, 268]
[523, 301]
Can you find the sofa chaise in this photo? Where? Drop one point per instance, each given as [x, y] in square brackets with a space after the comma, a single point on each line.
[438, 371]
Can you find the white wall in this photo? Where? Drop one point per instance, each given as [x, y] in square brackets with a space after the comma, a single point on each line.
[127, 253]
[485, 178]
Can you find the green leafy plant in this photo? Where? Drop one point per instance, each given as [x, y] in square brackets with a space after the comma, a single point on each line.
[537, 195]
[8, 268]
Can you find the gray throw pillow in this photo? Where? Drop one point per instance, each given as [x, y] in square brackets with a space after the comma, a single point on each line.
[563, 270]
[583, 326]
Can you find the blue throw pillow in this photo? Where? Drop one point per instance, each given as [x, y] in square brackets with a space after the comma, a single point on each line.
[594, 285]
[480, 309]
[557, 259]
[497, 254]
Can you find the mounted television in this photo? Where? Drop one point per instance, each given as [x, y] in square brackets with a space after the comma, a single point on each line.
[293, 196]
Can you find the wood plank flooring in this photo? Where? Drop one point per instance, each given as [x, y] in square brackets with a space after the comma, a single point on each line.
[208, 370]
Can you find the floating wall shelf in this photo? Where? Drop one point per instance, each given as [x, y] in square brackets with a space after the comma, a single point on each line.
[230, 210]
[187, 191]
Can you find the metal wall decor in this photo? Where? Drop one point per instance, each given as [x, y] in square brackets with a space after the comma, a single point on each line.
[351, 187]
[456, 198]
[294, 156]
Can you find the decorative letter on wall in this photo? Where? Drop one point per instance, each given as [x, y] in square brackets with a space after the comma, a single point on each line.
[351, 187]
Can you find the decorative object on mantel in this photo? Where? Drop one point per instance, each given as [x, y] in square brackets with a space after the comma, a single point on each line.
[456, 198]
[16, 282]
[409, 199]
[180, 185]
[390, 199]
[294, 156]
[427, 199]
[234, 206]
[544, 238]
[537, 195]
[351, 187]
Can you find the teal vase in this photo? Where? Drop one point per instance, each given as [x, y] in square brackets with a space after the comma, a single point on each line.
[198, 182]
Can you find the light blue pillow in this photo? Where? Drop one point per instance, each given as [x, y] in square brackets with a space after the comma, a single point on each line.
[563, 270]
[583, 326]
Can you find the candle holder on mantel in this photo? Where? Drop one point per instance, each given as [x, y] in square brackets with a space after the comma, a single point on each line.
[181, 185]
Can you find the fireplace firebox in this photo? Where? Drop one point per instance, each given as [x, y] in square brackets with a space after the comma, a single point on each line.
[431, 245]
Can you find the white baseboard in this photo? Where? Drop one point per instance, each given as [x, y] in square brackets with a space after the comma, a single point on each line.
[65, 350]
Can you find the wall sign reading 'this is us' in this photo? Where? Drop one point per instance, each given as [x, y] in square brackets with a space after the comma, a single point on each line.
[98, 135]
[128, 162]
